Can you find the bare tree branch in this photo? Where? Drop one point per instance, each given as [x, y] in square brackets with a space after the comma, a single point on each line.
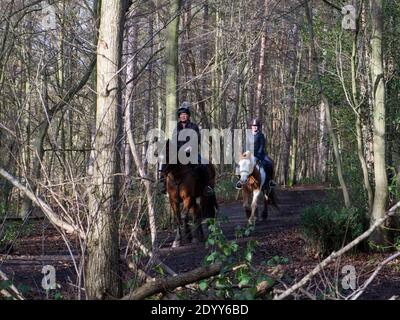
[48, 212]
[356, 294]
[12, 291]
[332, 5]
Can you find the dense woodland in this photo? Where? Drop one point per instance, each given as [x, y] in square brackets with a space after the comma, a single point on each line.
[82, 82]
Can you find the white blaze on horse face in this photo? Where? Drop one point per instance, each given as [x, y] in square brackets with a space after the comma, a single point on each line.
[246, 168]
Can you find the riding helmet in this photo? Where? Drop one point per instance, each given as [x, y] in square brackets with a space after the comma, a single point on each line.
[255, 122]
[184, 108]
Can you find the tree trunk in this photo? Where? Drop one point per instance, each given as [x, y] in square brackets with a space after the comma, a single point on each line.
[171, 60]
[261, 66]
[380, 235]
[357, 107]
[38, 150]
[289, 114]
[102, 272]
[295, 119]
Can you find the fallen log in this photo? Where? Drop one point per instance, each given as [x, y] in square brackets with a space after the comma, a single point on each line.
[170, 283]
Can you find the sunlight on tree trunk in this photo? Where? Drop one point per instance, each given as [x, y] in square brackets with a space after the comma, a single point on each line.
[102, 271]
[380, 235]
[171, 60]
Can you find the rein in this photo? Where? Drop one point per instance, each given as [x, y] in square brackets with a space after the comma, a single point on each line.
[250, 174]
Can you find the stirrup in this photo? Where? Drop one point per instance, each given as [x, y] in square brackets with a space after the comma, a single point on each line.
[208, 191]
[272, 184]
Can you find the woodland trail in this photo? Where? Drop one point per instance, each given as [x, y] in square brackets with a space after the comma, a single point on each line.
[278, 236]
[291, 202]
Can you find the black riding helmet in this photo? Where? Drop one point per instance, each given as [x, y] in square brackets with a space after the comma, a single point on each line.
[255, 122]
[184, 108]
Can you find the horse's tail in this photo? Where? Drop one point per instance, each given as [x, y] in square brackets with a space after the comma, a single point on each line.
[272, 199]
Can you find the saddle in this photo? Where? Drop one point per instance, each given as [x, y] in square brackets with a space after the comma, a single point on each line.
[269, 184]
[202, 175]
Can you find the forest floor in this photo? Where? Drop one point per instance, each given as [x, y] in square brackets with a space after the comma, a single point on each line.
[278, 238]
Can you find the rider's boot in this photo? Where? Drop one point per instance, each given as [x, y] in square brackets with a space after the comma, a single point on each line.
[163, 185]
[208, 191]
[269, 185]
[162, 180]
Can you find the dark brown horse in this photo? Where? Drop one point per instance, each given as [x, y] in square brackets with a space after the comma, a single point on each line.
[186, 185]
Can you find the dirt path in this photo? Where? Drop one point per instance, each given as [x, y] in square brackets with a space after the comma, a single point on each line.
[291, 202]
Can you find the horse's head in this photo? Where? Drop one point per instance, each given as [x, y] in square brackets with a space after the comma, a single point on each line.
[246, 166]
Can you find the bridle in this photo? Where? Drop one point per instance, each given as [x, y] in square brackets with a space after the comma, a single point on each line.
[244, 171]
[249, 174]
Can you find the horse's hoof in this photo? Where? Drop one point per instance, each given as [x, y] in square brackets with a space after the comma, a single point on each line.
[264, 215]
[199, 239]
[176, 244]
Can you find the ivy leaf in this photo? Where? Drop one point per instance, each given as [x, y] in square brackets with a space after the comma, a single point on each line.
[203, 285]
[212, 257]
[244, 279]
[227, 250]
[248, 256]
[220, 284]
[211, 241]
[159, 270]
[235, 247]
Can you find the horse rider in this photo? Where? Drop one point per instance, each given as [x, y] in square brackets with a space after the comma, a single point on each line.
[257, 139]
[184, 122]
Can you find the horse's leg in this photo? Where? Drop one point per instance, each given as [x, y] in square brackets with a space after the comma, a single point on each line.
[265, 211]
[214, 201]
[177, 216]
[198, 234]
[246, 207]
[254, 210]
[187, 205]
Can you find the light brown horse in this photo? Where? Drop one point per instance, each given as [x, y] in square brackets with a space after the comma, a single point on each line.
[252, 178]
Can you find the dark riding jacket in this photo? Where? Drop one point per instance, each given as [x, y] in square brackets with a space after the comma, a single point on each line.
[258, 140]
[179, 128]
